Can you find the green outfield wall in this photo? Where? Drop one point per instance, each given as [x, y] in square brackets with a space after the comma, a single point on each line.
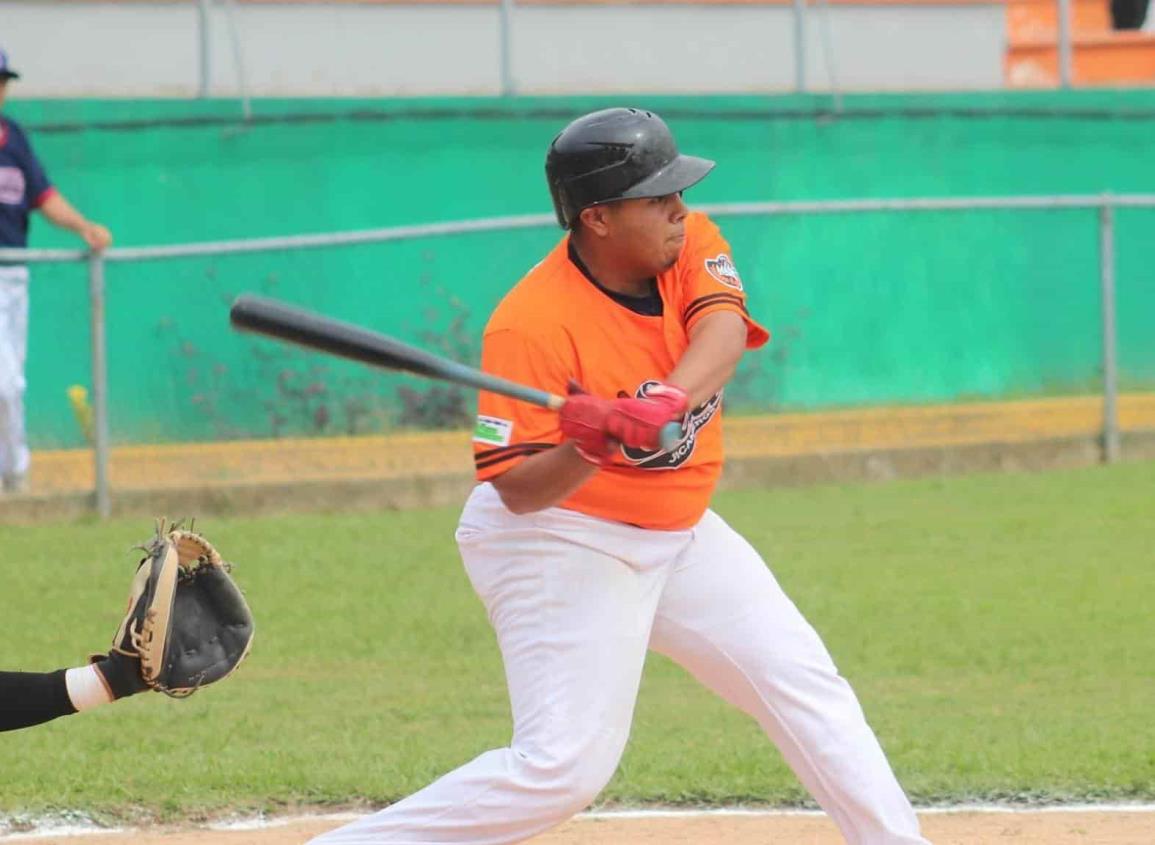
[865, 309]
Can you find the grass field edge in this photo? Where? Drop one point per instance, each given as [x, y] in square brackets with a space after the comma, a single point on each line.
[836, 466]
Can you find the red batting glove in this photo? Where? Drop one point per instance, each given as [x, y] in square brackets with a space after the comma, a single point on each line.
[583, 421]
[638, 423]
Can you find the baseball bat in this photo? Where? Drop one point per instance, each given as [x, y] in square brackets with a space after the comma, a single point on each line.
[277, 319]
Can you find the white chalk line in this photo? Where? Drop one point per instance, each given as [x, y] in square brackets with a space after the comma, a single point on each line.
[48, 829]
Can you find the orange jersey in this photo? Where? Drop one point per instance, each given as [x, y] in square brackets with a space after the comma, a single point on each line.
[557, 324]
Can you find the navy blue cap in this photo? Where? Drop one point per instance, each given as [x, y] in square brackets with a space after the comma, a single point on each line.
[6, 71]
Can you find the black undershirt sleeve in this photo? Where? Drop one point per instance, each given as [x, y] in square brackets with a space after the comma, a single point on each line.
[29, 698]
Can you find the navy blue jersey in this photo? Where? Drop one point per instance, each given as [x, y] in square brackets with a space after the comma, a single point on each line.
[23, 184]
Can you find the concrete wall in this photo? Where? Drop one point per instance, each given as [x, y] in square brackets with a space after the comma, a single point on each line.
[137, 49]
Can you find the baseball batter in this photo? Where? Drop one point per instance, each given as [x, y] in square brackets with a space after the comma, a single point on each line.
[588, 543]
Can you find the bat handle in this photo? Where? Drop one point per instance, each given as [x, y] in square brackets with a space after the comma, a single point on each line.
[668, 438]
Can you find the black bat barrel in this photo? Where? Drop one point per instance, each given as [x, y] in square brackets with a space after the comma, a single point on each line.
[277, 319]
[305, 328]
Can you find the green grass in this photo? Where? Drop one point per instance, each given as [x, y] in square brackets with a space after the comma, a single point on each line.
[998, 629]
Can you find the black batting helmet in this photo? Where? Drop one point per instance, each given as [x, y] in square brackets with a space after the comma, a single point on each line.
[616, 154]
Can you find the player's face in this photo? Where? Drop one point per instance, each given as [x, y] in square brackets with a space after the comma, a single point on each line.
[649, 233]
[3, 91]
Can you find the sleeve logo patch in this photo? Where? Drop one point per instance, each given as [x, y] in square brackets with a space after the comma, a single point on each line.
[492, 431]
[11, 185]
[723, 269]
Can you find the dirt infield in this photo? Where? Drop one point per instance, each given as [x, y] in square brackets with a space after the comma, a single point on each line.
[1116, 827]
[432, 454]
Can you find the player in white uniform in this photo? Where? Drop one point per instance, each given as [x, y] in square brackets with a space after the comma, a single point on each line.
[24, 188]
[589, 543]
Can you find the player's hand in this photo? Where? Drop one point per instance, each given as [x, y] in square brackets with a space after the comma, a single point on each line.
[96, 236]
[638, 423]
[583, 422]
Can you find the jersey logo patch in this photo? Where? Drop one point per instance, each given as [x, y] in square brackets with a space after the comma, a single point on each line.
[11, 185]
[492, 431]
[674, 458]
[723, 269]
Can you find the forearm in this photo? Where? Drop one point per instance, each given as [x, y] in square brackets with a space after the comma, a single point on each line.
[717, 343]
[62, 213]
[31, 698]
[544, 480]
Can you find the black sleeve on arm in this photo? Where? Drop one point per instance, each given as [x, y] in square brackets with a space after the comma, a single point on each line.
[29, 698]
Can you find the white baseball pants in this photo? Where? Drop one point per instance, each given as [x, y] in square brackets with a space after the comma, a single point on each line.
[14, 455]
[576, 602]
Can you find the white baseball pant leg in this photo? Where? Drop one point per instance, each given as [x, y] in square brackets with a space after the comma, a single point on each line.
[14, 454]
[572, 601]
[725, 619]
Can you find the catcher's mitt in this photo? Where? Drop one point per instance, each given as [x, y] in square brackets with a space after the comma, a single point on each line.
[187, 621]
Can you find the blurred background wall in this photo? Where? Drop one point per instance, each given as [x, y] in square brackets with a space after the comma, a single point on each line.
[151, 49]
[866, 309]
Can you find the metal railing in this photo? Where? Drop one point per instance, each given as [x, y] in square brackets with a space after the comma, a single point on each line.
[1104, 205]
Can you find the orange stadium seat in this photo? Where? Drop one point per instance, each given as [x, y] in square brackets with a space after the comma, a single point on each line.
[1099, 54]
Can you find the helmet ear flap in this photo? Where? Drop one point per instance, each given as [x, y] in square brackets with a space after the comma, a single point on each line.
[562, 207]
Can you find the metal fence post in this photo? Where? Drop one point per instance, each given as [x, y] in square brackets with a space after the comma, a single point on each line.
[505, 24]
[99, 383]
[1110, 360]
[204, 52]
[800, 46]
[1064, 11]
[239, 60]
